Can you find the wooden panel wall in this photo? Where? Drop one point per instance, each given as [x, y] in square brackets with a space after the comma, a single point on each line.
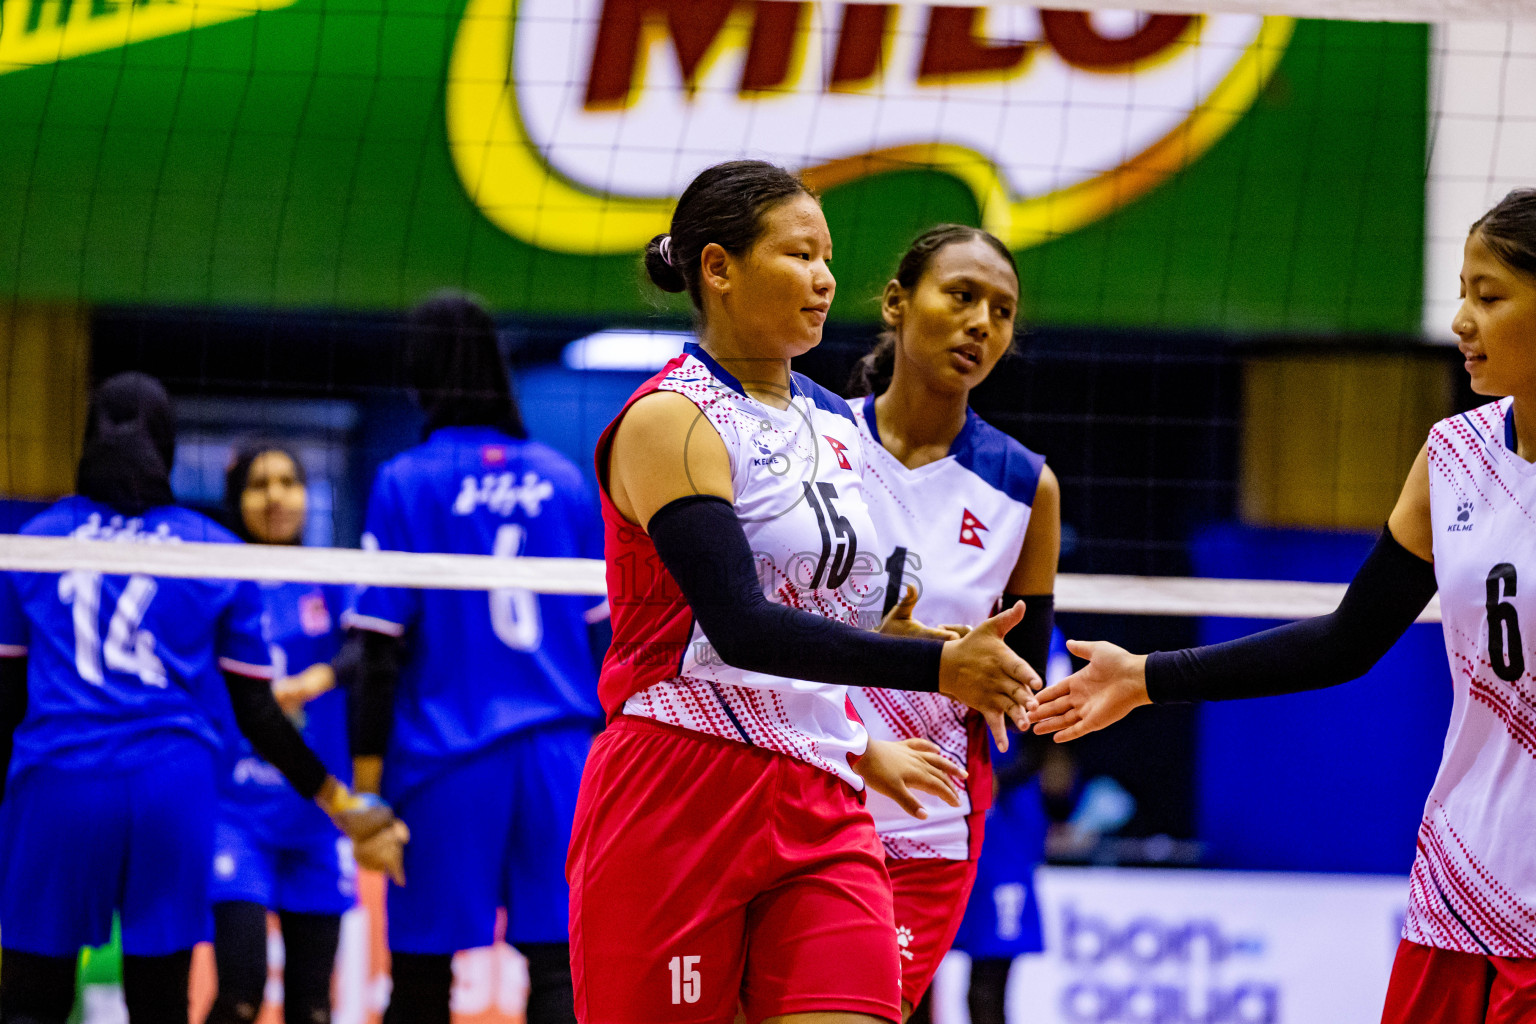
[1328, 438]
[44, 388]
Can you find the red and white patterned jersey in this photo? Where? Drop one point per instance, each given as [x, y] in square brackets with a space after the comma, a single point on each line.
[796, 476]
[953, 529]
[1473, 887]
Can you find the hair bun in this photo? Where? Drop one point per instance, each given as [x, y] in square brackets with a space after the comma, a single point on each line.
[663, 273]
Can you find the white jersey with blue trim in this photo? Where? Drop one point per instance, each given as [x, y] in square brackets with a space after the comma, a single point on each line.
[1473, 887]
[796, 475]
[953, 529]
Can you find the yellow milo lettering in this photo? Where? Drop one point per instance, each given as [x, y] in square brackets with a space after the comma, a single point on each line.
[36, 33]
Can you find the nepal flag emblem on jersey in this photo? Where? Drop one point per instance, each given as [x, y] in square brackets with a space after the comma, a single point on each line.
[970, 529]
[838, 448]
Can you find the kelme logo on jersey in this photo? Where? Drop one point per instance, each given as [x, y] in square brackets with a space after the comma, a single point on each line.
[1071, 114]
[39, 32]
[970, 529]
[1463, 523]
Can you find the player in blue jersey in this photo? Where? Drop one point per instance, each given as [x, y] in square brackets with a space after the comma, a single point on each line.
[111, 688]
[475, 710]
[272, 849]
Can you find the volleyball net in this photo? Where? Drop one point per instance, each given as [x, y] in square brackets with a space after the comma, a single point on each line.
[1101, 593]
[241, 196]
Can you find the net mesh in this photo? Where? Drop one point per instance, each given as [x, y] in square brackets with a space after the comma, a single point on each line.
[1238, 228]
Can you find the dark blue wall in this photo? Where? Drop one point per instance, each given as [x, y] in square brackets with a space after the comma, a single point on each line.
[1332, 780]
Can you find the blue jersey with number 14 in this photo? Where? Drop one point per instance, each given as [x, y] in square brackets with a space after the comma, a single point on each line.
[480, 665]
[118, 665]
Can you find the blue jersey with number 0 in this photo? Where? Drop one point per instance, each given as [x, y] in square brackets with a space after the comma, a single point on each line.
[116, 663]
[481, 665]
[303, 627]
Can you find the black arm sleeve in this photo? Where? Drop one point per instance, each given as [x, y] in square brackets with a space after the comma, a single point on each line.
[701, 543]
[369, 667]
[13, 708]
[272, 735]
[1030, 640]
[1382, 601]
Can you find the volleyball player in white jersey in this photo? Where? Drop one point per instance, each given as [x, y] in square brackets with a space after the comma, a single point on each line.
[720, 855]
[1466, 521]
[967, 518]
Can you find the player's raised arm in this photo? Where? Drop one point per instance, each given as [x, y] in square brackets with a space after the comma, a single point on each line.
[1387, 594]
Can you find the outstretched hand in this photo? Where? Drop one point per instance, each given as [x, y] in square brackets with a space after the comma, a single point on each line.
[982, 672]
[1109, 687]
[899, 621]
[895, 768]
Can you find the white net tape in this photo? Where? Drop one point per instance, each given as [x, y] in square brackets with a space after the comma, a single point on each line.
[1119, 595]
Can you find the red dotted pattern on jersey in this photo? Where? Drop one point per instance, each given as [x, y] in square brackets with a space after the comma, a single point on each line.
[871, 470]
[1445, 458]
[1464, 447]
[717, 709]
[700, 705]
[931, 716]
[899, 847]
[1446, 870]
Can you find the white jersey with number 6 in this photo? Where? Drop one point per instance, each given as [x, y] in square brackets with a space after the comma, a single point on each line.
[1473, 887]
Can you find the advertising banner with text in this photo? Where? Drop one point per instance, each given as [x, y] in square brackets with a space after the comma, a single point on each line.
[1217, 171]
[1128, 946]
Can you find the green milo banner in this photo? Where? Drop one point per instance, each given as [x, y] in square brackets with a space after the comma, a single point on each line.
[1224, 172]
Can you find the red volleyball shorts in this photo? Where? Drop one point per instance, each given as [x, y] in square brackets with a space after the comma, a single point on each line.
[930, 895]
[706, 874]
[1442, 986]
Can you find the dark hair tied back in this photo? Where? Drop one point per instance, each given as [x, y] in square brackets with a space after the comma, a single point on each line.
[659, 266]
[1509, 229]
[455, 365]
[872, 374]
[725, 205]
[130, 445]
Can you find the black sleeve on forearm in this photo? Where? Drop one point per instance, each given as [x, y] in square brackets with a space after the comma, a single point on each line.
[1383, 600]
[13, 708]
[701, 543]
[271, 734]
[1030, 640]
[369, 667]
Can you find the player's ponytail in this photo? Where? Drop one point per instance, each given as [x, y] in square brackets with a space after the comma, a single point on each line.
[1509, 229]
[659, 266]
[872, 374]
[130, 443]
[725, 205]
